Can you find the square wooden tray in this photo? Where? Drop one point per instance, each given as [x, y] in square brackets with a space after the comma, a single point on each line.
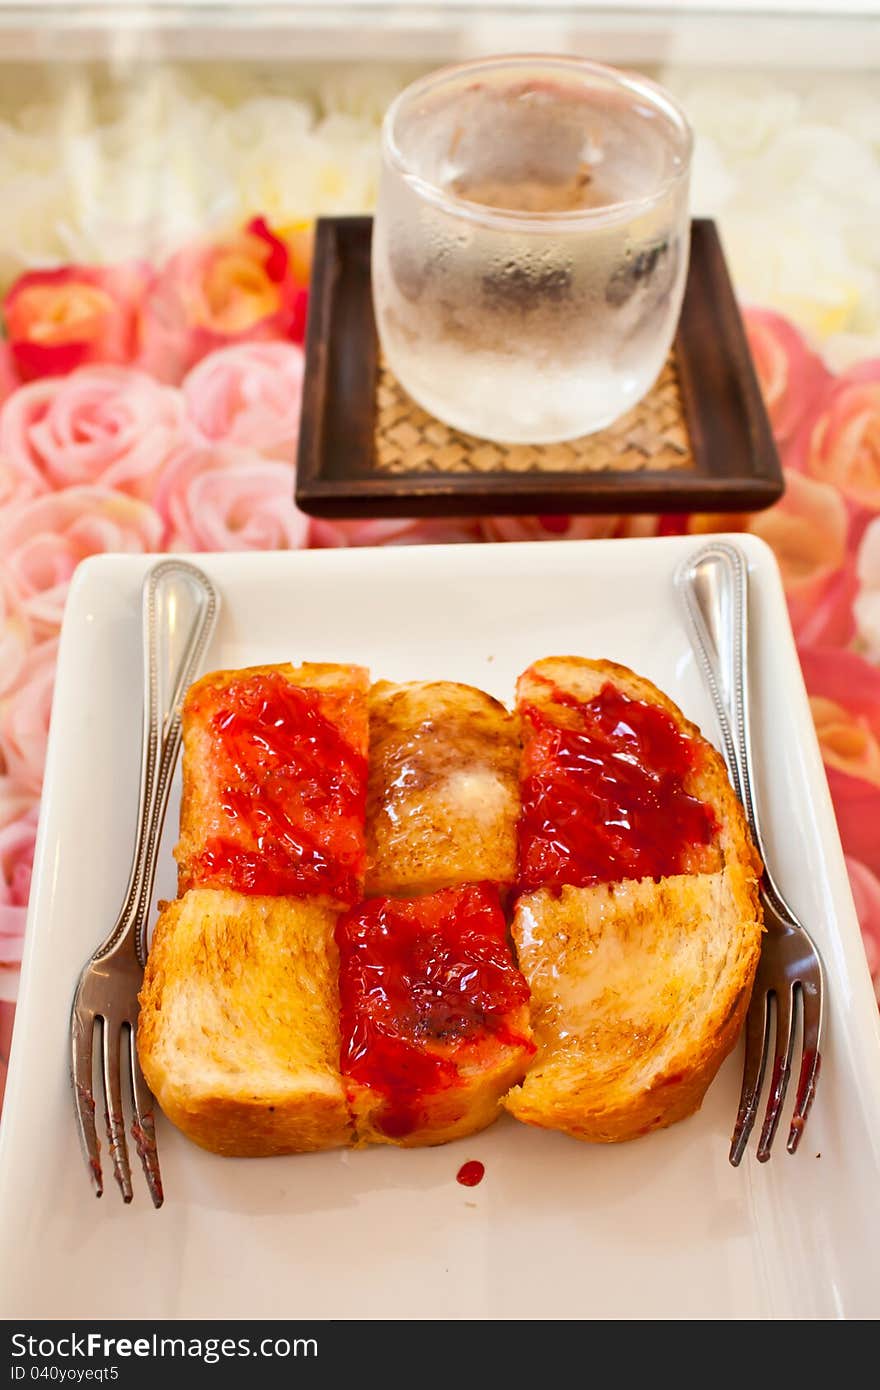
[700, 440]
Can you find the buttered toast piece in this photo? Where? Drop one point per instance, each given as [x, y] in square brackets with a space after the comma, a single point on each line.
[443, 794]
[238, 1034]
[639, 924]
[639, 991]
[274, 782]
[434, 1015]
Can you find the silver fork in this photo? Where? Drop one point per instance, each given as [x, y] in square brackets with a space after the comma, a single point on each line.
[714, 585]
[179, 612]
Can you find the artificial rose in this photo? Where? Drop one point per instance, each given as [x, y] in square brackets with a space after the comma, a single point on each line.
[549, 528]
[792, 378]
[844, 443]
[250, 395]
[57, 320]
[867, 603]
[218, 293]
[844, 692]
[223, 498]
[43, 541]
[17, 840]
[16, 634]
[866, 896]
[807, 532]
[108, 425]
[442, 531]
[7, 1019]
[24, 717]
[9, 379]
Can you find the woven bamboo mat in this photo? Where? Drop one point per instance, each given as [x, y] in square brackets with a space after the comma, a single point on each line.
[652, 436]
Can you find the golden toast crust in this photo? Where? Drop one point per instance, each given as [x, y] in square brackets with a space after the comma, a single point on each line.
[238, 1034]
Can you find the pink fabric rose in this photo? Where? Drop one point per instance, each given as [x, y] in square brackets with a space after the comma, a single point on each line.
[239, 289]
[325, 535]
[549, 528]
[43, 541]
[7, 1019]
[867, 603]
[792, 378]
[16, 634]
[108, 425]
[249, 395]
[230, 499]
[17, 840]
[843, 446]
[807, 531]
[24, 717]
[866, 895]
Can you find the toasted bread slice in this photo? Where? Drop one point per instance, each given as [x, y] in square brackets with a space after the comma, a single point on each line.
[615, 783]
[274, 782]
[639, 991]
[434, 1015]
[443, 794]
[238, 1034]
[640, 979]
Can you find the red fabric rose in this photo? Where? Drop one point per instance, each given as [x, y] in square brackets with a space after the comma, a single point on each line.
[60, 319]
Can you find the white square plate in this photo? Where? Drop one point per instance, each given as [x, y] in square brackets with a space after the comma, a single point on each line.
[660, 1227]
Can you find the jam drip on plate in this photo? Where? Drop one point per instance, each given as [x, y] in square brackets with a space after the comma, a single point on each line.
[424, 983]
[604, 794]
[289, 793]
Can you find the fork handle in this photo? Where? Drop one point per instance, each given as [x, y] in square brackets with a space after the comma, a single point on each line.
[715, 587]
[179, 612]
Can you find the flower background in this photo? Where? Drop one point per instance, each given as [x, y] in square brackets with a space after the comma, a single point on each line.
[154, 261]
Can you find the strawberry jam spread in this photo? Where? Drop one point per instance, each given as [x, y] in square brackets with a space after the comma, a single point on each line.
[603, 794]
[424, 982]
[288, 791]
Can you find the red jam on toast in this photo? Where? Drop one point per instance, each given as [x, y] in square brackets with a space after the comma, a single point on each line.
[286, 770]
[431, 1001]
[604, 793]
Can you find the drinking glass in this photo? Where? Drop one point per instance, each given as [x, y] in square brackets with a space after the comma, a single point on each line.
[530, 243]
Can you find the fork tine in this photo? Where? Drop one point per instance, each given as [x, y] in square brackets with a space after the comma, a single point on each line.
[810, 1062]
[81, 1038]
[144, 1127]
[756, 1031]
[113, 1111]
[781, 1070]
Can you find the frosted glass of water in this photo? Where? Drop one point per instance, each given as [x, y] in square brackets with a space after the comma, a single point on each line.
[530, 244]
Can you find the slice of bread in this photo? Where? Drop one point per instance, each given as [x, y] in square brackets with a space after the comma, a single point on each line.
[640, 981]
[443, 794]
[434, 1015]
[274, 782]
[238, 1034]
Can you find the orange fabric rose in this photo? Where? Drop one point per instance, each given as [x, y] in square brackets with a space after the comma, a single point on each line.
[791, 377]
[845, 700]
[60, 319]
[807, 531]
[212, 295]
[844, 444]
